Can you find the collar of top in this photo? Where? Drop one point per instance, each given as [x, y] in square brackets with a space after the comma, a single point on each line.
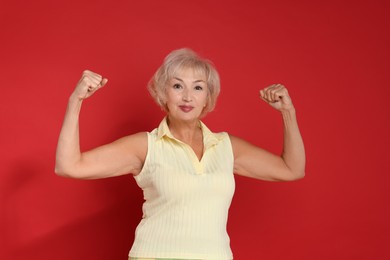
[209, 138]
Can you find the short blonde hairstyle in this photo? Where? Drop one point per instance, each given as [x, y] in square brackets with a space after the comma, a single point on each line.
[184, 59]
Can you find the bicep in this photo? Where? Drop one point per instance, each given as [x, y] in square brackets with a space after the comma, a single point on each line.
[255, 162]
[125, 155]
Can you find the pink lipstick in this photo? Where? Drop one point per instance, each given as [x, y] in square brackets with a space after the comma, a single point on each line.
[186, 108]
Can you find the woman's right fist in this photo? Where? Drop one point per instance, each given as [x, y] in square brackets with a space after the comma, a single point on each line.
[89, 83]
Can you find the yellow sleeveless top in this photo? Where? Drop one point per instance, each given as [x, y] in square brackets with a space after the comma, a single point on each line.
[186, 200]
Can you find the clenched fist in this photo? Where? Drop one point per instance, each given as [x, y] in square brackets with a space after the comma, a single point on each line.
[277, 96]
[89, 83]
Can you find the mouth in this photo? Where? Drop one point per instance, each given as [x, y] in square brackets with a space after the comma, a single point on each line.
[186, 108]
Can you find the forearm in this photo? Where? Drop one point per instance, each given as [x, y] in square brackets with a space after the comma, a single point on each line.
[293, 147]
[68, 148]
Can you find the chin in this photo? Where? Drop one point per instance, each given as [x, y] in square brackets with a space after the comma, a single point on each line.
[185, 117]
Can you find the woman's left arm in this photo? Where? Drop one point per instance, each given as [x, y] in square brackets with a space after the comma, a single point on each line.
[252, 161]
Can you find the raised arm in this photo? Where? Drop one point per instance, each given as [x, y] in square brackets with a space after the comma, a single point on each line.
[252, 161]
[125, 155]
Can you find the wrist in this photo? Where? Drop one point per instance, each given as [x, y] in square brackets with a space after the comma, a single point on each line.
[74, 103]
[288, 115]
[74, 98]
[288, 110]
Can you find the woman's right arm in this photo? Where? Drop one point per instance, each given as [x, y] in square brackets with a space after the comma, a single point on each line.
[126, 155]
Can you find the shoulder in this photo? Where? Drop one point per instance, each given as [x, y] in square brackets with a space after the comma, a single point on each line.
[222, 135]
[242, 147]
[141, 137]
[236, 141]
[136, 144]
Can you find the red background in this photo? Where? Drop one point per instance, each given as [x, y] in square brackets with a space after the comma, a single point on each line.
[332, 55]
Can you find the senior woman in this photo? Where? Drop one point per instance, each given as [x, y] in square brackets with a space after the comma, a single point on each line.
[184, 169]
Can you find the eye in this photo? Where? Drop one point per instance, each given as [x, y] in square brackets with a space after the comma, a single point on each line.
[198, 87]
[177, 86]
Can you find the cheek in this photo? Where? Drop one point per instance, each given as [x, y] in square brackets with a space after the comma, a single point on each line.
[205, 99]
[171, 96]
[172, 100]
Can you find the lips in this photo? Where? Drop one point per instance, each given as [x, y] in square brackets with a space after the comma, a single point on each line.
[186, 108]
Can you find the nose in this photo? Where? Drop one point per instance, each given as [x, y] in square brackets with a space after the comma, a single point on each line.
[186, 95]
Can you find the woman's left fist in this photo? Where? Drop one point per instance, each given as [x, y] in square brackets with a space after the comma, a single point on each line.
[277, 97]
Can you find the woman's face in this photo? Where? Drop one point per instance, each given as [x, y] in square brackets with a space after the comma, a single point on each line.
[186, 95]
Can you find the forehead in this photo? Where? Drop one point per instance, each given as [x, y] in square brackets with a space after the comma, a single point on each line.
[190, 72]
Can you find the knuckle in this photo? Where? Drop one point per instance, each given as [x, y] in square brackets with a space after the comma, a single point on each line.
[85, 81]
[85, 78]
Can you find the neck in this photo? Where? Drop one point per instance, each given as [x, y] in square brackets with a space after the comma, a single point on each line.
[186, 131]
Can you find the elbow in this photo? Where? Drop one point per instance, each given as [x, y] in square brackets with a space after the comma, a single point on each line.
[72, 172]
[60, 171]
[60, 167]
[66, 168]
[295, 173]
[294, 176]
[63, 171]
[299, 175]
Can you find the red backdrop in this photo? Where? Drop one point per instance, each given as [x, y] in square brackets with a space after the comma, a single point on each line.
[333, 56]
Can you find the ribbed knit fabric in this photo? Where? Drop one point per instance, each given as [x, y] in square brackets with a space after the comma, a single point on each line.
[186, 200]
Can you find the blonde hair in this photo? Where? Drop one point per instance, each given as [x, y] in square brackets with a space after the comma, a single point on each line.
[184, 59]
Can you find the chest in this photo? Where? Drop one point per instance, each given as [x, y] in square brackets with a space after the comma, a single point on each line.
[175, 170]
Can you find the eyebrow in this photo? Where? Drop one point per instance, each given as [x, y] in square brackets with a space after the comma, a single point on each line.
[196, 81]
